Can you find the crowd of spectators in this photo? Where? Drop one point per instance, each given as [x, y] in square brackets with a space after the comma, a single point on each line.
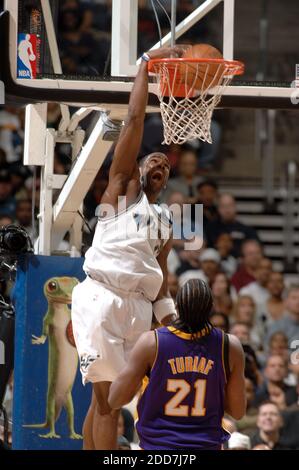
[251, 299]
[85, 27]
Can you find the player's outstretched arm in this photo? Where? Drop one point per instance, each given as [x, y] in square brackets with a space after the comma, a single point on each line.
[129, 141]
[141, 359]
[123, 167]
[235, 396]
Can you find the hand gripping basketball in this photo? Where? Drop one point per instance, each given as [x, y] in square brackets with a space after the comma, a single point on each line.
[32, 57]
[168, 52]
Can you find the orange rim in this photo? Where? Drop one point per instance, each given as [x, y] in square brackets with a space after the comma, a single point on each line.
[233, 66]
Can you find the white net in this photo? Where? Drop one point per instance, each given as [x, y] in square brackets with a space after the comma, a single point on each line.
[188, 95]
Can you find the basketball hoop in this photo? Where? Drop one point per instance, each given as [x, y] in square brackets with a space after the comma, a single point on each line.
[188, 91]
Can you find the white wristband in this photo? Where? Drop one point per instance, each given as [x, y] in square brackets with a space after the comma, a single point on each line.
[145, 57]
[164, 307]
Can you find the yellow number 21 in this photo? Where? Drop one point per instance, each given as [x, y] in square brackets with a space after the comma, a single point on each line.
[182, 388]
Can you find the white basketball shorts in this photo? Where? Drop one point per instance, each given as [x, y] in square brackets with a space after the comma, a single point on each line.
[106, 325]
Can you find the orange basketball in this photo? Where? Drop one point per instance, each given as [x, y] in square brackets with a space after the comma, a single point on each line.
[202, 76]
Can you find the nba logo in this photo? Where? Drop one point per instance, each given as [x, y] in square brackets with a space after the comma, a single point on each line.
[26, 63]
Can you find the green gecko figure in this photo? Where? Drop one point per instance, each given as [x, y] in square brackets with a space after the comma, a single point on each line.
[63, 357]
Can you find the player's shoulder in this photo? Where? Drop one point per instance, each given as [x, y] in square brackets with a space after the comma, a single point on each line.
[148, 338]
[234, 342]
[236, 352]
[147, 346]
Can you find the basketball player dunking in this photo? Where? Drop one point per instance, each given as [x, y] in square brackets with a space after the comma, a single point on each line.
[126, 266]
[195, 372]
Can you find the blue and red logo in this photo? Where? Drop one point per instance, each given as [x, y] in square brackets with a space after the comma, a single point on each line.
[27, 55]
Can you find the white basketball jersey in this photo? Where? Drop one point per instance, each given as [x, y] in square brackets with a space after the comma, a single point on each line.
[125, 246]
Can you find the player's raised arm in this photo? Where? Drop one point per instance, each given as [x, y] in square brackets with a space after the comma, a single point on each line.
[129, 142]
[127, 148]
[127, 384]
[235, 396]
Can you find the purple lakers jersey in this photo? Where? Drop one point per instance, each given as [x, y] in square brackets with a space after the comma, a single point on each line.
[183, 404]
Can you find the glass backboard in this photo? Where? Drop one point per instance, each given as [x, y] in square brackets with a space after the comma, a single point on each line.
[93, 45]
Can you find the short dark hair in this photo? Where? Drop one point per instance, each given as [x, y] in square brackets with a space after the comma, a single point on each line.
[210, 183]
[250, 240]
[5, 176]
[23, 201]
[141, 160]
[194, 303]
[268, 402]
[224, 318]
[285, 363]
[278, 333]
